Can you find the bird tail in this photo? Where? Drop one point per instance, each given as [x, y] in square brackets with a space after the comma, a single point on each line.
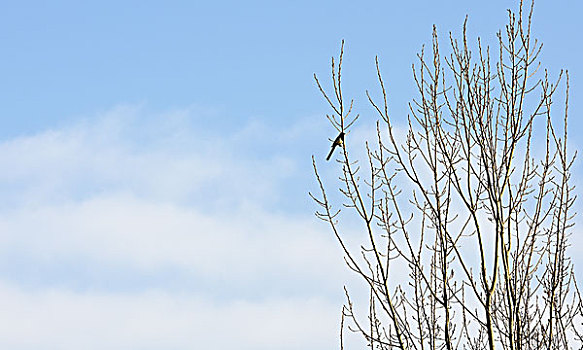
[331, 152]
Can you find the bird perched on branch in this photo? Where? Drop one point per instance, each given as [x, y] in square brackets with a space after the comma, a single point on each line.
[337, 142]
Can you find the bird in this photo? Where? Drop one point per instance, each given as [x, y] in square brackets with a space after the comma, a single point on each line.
[337, 142]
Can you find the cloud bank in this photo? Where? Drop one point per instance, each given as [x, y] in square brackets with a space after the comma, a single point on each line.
[148, 231]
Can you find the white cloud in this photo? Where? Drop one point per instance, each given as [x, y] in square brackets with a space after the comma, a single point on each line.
[130, 191]
[146, 234]
[159, 320]
[166, 157]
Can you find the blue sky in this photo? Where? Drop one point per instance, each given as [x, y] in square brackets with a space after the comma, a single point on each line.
[156, 161]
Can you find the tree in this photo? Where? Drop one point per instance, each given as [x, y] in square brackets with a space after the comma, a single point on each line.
[474, 201]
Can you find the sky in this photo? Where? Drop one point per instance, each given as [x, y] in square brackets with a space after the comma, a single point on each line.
[156, 160]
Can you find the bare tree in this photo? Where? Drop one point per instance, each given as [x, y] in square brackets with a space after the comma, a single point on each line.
[473, 200]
